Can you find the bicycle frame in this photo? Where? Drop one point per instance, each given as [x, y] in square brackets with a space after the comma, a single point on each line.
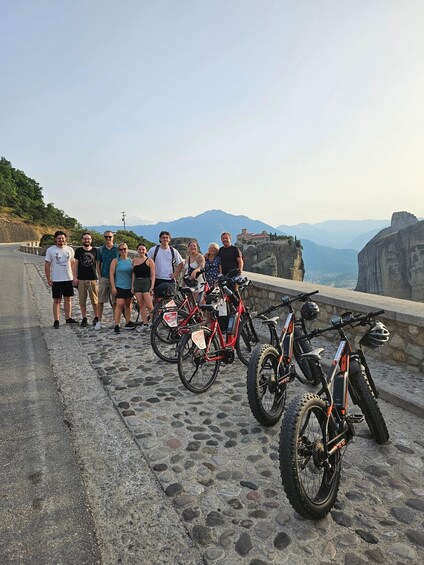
[335, 383]
[227, 343]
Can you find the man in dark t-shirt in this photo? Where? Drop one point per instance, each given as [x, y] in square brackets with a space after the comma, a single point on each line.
[85, 277]
[231, 257]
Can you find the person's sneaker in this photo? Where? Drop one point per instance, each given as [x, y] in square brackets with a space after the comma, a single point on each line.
[95, 320]
[56, 324]
[140, 328]
[71, 321]
[116, 329]
[98, 326]
[147, 327]
[84, 323]
[130, 326]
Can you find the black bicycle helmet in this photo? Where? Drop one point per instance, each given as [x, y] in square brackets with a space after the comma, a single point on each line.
[309, 311]
[376, 336]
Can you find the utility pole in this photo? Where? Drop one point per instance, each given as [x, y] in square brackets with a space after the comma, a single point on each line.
[123, 218]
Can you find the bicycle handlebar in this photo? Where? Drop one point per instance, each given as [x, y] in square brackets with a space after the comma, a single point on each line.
[286, 301]
[346, 319]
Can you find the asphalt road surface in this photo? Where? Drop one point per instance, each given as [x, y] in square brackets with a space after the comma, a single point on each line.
[44, 515]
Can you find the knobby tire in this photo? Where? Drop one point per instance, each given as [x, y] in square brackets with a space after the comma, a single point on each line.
[310, 481]
[369, 407]
[266, 398]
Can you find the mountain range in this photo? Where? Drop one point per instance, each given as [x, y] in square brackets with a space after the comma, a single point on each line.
[329, 248]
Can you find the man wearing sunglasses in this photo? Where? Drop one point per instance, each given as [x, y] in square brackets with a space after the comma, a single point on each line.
[106, 253]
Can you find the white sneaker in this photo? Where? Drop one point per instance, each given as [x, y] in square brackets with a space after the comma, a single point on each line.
[98, 326]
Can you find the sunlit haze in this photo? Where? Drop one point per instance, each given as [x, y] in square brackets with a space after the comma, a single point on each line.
[284, 111]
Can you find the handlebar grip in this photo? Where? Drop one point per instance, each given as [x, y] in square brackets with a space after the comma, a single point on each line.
[378, 313]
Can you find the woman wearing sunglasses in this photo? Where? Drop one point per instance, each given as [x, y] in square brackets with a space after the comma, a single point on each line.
[121, 282]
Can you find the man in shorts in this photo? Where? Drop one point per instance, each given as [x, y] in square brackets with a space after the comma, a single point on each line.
[58, 269]
[105, 255]
[168, 264]
[85, 277]
[231, 257]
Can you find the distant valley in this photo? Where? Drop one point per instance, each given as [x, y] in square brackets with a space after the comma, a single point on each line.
[329, 248]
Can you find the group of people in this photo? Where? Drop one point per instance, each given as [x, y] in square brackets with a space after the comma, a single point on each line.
[106, 274]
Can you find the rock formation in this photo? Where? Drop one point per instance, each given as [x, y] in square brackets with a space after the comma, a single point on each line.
[281, 258]
[392, 263]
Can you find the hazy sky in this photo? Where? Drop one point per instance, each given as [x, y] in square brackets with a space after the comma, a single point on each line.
[285, 111]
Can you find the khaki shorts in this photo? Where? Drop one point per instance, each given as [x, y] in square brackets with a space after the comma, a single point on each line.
[87, 288]
[105, 293]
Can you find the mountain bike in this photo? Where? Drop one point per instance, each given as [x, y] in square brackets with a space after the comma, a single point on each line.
[272, 369]
[317, 427]
[203, 348]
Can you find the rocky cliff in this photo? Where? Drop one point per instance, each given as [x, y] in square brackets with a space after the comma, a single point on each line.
[392, 263]
[281, 258]
[12, 231]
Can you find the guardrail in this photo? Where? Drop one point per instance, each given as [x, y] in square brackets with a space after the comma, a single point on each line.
[33, 249]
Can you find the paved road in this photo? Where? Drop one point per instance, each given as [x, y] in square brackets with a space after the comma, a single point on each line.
[44, 515]
[179, 478]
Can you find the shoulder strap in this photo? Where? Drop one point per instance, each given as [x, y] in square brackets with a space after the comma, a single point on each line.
[100, 252]
[172, 254]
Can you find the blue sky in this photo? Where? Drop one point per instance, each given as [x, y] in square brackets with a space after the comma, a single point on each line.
[284, 111]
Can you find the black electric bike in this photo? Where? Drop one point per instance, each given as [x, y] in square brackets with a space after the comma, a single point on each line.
[317, 427]
[272, 367]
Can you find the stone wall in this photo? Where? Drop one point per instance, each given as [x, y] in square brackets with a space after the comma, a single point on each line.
[403, 318]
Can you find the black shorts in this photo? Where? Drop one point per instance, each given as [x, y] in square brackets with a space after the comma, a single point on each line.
[123, 292]
[62, 288]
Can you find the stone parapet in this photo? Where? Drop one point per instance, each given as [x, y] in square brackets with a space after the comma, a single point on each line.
[403, 318]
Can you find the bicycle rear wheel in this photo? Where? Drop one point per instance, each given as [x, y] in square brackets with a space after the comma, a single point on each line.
[310, 479]
[198, 368]
[266, 397]
[367, 402]
[251, 333]
[309, 368]
[164, 338]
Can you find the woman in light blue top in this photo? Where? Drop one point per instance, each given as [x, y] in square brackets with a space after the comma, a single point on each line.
[121, 283]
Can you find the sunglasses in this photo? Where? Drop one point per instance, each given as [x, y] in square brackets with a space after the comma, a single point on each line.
[108, 236]
[123, 249]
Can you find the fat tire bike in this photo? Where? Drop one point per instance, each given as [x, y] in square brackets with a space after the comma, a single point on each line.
[272, 369]
[317, 428]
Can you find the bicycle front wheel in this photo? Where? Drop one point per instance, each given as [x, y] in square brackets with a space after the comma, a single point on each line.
[251, 333]
[369, 407]
[310, 479]
[164, 338]
[266, 397]
[198, 368]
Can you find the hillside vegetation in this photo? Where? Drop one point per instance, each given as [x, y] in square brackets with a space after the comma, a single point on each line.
[25, 217]
[22, 197]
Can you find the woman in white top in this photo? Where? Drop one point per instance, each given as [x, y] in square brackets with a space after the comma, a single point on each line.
[193, 263]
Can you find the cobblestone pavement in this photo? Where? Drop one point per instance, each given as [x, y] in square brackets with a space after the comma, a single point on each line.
[219, 468]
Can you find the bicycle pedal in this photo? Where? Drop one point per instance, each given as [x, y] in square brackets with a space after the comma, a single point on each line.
[355, 418]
